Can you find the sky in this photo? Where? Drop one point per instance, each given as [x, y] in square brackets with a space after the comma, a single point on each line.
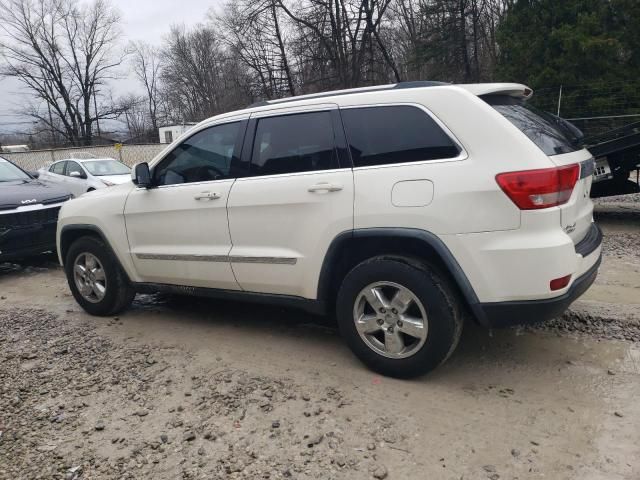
[146, 20]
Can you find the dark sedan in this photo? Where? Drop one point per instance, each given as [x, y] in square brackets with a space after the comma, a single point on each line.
[28, 213]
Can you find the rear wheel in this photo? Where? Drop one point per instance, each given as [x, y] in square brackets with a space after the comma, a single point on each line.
[399, 315]
[95, 278]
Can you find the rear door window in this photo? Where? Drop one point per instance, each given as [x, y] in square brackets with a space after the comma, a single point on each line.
[395, 134]
[301, 142]
[550, 133]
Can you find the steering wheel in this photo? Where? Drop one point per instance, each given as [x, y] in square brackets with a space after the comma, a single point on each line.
[217, 173]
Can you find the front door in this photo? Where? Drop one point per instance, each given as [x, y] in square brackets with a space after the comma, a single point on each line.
[75, 179]
[297, 198]
[178, 231]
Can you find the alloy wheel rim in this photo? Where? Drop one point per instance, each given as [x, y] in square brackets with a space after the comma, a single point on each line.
[89, 277]
[390, 319]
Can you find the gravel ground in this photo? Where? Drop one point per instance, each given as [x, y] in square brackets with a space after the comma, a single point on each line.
[622, 245]
[161, 419]
[633, 199]
[594, 324]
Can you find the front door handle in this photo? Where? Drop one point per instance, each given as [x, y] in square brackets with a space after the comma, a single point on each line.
[325, 187]
[207, 196]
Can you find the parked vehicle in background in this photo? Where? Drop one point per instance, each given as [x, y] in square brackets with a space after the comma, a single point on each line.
[28, 213]
[81, 175]
[401, 208]
[617, 155]
[14, 148]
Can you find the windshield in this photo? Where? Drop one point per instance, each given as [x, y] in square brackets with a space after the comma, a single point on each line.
[101, 168]
[10, 173]
[551, 134]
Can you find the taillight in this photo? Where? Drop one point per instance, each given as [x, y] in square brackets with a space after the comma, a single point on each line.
[543, 188]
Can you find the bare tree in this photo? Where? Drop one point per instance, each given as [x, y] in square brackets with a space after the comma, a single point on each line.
[253, 32]
[340, 42]
[136, 117]
[146, 63]
[451, 40]
[63, 53]
[200, 77]
[191, 74]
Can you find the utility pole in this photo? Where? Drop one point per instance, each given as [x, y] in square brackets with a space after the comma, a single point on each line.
[95, 107]
[53, 137]
[559, 100]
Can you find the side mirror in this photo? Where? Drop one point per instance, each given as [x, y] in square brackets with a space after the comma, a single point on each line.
[34, 174]
[76, 174]
[141, 176]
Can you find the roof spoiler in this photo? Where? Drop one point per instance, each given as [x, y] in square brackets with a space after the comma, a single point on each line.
[517, 90]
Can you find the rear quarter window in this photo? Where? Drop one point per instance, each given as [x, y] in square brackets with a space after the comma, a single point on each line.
[551, 134]
[384, 135]
[58, 168]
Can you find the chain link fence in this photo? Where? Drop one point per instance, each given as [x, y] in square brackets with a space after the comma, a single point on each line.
[594, 107]
[128, 154]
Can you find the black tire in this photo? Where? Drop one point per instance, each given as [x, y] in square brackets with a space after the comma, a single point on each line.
[119, 292]
[443, 308]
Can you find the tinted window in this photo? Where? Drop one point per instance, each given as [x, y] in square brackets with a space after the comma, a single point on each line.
[551, 134]
[74, 167]
[58, 168]
[394, 134]
[294, 143]
[203, 157]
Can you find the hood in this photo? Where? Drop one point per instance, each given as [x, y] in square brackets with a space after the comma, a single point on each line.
[117, 179]
[20, 193]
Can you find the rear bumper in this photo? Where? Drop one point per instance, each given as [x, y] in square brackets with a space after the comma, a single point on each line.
[505, 314]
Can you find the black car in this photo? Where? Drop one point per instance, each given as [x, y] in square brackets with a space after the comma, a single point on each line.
[28, 213]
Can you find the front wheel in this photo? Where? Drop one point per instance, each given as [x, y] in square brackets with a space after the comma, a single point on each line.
[95, 278]
[399, 315]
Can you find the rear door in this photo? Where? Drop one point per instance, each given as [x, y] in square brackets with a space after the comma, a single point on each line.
[297, 199]
[55, 173]
[75, 178]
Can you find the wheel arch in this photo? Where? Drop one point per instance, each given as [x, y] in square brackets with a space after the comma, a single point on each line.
[350, 248]
[70, 233]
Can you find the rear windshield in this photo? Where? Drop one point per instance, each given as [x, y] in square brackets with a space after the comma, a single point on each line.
[551, 134]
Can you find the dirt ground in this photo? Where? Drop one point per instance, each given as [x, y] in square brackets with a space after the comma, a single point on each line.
[190, 388]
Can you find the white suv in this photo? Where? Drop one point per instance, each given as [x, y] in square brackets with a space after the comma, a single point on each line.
[400, 208]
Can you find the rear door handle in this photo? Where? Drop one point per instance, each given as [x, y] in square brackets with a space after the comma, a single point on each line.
[325, 187]
[207, 196]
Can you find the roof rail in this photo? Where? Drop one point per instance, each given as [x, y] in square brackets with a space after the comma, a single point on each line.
[349, 91]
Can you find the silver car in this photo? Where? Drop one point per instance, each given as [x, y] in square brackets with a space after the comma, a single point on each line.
[83, 175]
